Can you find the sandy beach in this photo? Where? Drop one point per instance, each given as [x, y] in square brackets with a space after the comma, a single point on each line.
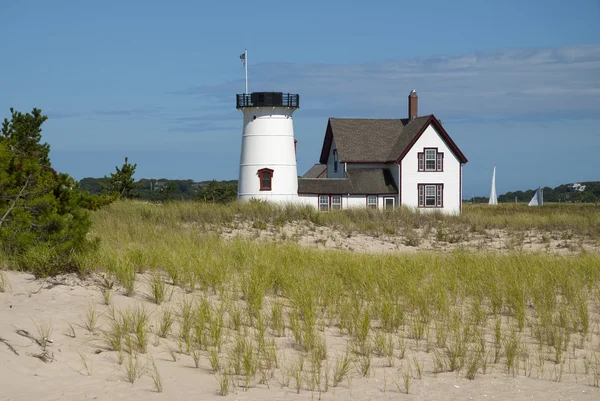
[78, 365]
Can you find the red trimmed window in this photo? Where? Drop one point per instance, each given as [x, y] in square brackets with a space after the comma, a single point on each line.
[431, 195]
[265, 175]
[431, 160]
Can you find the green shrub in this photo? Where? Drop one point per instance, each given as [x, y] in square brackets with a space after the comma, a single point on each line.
[43, 216]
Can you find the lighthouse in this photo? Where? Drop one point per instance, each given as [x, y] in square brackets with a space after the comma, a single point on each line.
[268, 159]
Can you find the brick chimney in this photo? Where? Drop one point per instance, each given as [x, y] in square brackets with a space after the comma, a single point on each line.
[413, 105]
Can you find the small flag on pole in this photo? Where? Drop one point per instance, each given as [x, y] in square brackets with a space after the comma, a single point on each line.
[243, 58]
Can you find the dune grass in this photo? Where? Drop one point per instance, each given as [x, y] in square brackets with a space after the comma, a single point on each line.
[571, 219]
[464, 312]
[468, 311]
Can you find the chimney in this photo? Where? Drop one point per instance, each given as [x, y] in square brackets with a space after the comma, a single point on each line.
[413, 105]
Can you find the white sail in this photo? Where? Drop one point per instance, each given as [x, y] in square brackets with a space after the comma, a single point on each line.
[493, 196]
[538, 198]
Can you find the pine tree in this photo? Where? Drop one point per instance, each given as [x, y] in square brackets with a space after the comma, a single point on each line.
[122, 182]
[41, 210]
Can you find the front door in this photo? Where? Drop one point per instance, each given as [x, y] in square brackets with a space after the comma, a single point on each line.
[388, 203]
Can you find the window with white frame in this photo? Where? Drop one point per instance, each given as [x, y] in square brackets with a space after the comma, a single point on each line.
[336, 202]
[323, 203]
[372, 201]
[431, 160]
[431, 195]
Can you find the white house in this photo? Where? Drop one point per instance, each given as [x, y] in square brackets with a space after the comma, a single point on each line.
[377, 163]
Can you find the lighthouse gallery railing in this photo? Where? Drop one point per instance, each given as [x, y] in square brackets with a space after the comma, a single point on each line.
[267, 99]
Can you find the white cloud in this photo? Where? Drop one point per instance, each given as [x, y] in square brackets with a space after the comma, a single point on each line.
[505, 84]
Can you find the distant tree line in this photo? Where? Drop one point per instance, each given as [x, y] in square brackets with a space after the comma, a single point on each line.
[161, 189]
[559, 194]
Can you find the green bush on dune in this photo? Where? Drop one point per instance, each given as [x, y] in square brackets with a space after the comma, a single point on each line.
[43, 216]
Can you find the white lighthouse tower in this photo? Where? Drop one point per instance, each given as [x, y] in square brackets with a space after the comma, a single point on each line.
[268, 159]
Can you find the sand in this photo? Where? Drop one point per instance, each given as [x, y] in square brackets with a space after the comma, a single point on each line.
[490, 240]
[63, 302]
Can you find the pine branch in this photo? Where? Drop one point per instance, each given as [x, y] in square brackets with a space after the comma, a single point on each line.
[15, 201]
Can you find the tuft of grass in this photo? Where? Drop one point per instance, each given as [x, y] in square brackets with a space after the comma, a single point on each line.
[407, 379]
[298, 373]
[44, 332]
[341, 368]
[213, 359]
[165, 324]
[277, 320]
[157, 288]
[403, 379]
[156, 379]
[91, 316]
[511, 352]
[249, 363]
[139, 318]
[106, 296]
[86, 364]
[125, 274]
[195, 353]
[133, 368]
[224, 383]
[473, 364]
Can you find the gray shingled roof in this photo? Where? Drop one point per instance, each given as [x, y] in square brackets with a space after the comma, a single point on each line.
[324, 186]
[315, 171]
[360, 181]
[407, 135]
[373, 140]
[371, 181]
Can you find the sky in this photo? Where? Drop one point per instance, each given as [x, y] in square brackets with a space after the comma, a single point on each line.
[516, 84]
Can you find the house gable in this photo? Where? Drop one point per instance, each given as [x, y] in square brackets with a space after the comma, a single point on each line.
[445, 177]
[443, 135]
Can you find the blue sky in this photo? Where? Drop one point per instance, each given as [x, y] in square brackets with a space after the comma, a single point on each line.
[516, 84]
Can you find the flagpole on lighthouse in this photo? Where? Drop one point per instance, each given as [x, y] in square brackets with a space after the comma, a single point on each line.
[246, 65]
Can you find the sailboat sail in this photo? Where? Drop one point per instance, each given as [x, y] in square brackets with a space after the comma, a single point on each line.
[538, 198]
[493, 196]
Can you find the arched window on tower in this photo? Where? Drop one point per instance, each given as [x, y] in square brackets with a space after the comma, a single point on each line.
[335, 161]
[265, 175]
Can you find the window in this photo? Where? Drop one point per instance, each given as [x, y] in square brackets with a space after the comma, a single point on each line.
[336, 202]
[335, 161]
[388, 203]
[265, 176]
[372, 201]
[431, 195]
[431, 160]
[323, 203]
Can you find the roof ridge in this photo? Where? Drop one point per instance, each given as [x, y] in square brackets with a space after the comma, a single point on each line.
[379, 119]
[367, 118]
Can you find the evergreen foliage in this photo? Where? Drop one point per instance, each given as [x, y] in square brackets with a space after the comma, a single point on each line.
[43, 216]
[219, 192]
[121, 183]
